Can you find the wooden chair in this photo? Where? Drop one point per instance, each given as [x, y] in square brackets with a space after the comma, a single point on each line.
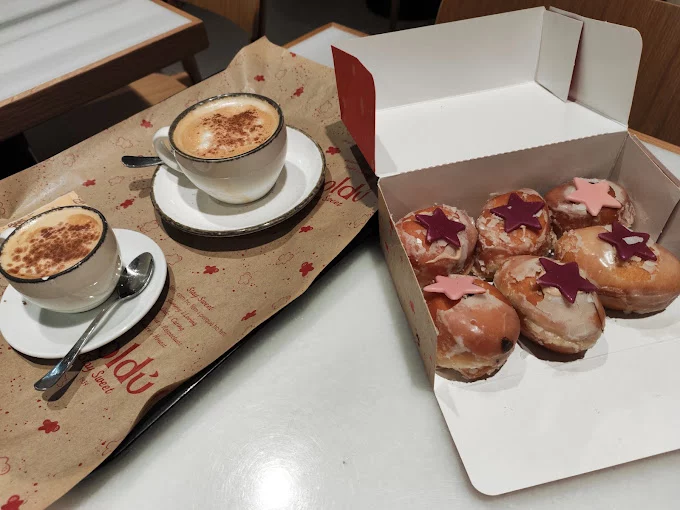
[656, 104]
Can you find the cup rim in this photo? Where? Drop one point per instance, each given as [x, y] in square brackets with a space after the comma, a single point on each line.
[217, 98]
[42, 279]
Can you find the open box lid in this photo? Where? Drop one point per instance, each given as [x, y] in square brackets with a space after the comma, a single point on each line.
[483, 86]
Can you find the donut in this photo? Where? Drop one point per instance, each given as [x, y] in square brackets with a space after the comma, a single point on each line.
[633, 274]
[547, 315]
[515, 223]
[586, 202]
[477, 327]
[439, 240]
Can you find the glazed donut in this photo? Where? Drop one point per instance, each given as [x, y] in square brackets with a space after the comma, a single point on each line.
[476, 332]
[644, 278]
[545, 314]
[439, 240]
[515, 223]
[568, 214]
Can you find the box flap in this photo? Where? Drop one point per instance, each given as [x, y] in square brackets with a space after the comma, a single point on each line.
[356, 93]
[483, 86]
[606, 67]
[559, 43]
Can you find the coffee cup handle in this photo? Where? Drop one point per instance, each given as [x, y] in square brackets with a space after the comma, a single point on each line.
[160, 141]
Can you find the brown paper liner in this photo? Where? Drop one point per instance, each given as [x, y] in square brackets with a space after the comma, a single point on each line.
[217, 290]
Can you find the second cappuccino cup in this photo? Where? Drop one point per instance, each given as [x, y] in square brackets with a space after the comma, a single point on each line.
[232, 146]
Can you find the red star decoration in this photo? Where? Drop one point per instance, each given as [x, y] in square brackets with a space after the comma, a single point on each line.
[146, 124]
[306, 268]
[249, 315]
[306, 228]
[210, 270]
[455, 287]
[127, 203]
[518, 213]
[594, 196]
[565, 278]
[332, 150]
[90, 182]
[628, 243]
[440, 227]
[298, 92]
[49, 426]
[259, 77]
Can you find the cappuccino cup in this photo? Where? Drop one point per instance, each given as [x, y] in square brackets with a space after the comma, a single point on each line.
[66, 259]
[232, 147]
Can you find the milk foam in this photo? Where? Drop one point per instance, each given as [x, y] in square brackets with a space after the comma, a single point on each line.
[226, 127]
[51, 243]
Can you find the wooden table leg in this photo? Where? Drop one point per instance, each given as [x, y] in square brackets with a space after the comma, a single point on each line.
[191, 67]
[394, 14]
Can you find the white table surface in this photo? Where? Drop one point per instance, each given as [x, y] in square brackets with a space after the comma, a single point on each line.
[41, 40]
[328, 407]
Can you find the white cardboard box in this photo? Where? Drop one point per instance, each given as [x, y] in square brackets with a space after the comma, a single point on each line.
[453, 112]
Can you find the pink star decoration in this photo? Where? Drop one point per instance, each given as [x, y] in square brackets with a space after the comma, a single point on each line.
[564, 277]
[594, 196]
[455, 287]
[518, 213]
[628, 243]
[440, 227]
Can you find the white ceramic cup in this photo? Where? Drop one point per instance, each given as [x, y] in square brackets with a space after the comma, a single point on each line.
[238, 179]
[80, 287]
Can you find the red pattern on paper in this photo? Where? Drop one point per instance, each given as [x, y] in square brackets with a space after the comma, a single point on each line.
[332, 150]
[413, 308]
[249, 315]
[13, 503]
[146, 124]
[306, 228]
[90, 182]
[127, 203]
[149, 226]
[245, 279]
[123, 143]
[284, 258]
[49, 426]
[173, 259]
[259, 77]
[211, 270]
[293, 54]
[306, 268]
[4, 465]
[298, 91]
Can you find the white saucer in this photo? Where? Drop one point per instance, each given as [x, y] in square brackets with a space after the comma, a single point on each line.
[37, 332]
[187, 208]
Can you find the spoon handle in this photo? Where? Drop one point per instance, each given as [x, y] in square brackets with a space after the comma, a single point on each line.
[140, 161]
[51, 377]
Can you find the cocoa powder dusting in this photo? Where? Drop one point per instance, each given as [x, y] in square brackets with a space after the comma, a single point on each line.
[232, 132]
[53, 249]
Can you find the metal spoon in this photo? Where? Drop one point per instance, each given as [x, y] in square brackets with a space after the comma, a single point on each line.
[134, 279]
[140, 161]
